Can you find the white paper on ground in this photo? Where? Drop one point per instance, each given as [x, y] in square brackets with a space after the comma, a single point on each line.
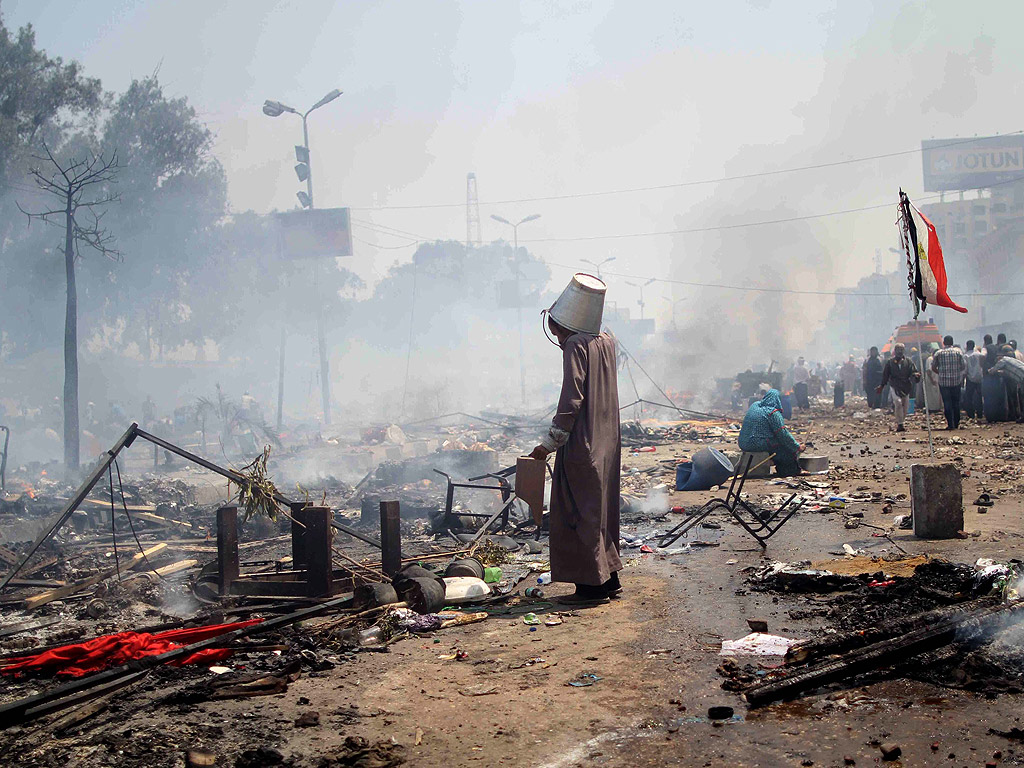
[757, 644]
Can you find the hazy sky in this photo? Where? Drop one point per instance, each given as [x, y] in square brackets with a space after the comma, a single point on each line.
[542, 99]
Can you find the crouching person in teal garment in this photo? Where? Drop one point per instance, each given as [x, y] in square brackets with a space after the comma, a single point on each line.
[764, 431]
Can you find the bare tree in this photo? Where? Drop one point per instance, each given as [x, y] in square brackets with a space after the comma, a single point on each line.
[82, 187]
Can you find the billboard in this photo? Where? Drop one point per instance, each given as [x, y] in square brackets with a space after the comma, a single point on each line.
[955, 164]
[320, 233]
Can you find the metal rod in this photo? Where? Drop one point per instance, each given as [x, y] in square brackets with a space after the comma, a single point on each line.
[83, 490]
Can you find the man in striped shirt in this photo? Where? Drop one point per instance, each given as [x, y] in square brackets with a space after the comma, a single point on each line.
[950, 367]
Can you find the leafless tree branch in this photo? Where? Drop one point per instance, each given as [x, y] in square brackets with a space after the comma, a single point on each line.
[69, 184]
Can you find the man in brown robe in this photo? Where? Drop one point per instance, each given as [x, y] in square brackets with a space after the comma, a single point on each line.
[584, 513]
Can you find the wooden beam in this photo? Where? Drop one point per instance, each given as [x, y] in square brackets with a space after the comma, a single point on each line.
[131, 507]
[319, 560]
[227, 548]
[60, 593]
[172, 568]
[298, 513]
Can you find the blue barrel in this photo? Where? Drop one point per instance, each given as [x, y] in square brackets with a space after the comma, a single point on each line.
[683, 471]
[787, 407]
[709, 468]
[993, 393]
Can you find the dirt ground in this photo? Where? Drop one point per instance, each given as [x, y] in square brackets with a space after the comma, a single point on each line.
[654, 653]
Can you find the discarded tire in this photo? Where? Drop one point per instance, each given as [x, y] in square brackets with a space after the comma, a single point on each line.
[423, 594]
[372, 595]
[467, 566]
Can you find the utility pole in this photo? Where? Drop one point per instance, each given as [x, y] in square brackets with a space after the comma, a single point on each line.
[305, 172]
[519, 295]
[472, 213]
[321, 342]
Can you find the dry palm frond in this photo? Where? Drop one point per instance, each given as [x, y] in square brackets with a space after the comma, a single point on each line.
[257, 494]
[489, 553]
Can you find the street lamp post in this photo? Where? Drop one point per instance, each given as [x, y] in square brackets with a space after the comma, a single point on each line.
[674, 303]
[519, 297]
[641, 287]
[304, 171]
[597, 265]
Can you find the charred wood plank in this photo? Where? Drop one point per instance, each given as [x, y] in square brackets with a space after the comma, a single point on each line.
[884, 654]
[84, 688]
[811, 650]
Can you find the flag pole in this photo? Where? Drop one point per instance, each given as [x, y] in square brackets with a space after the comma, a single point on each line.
[924, 386]
[903, 225]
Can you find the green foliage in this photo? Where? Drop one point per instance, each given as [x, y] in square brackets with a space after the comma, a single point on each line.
[40, 97]
[448, 280]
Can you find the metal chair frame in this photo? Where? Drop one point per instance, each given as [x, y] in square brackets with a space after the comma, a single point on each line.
[503, 486]
[764, 524]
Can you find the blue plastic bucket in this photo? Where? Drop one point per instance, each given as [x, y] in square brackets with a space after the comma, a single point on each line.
[910, 406]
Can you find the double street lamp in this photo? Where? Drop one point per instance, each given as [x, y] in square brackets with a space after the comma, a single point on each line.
[598, 265]
[675, 303]
[519, 297]
[303, 171]
[641, 287]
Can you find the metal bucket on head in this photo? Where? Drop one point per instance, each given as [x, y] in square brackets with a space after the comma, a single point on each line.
[581, 305]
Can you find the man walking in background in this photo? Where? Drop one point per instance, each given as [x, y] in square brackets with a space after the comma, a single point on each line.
[972, 388]
[901, 375]
[801, 377]
[871, 374]
[848, 374]
[950, 367]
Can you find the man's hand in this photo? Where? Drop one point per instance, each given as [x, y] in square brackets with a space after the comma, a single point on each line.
[878, 389]
[540, 452]
[801, 448]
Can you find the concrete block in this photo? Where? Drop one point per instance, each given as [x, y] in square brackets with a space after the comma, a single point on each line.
[936, 500]
[765, 470]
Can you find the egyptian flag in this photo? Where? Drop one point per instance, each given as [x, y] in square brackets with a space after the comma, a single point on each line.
[928, 270]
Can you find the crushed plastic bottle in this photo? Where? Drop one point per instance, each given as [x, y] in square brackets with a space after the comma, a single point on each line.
[544, 578]
[371, 636]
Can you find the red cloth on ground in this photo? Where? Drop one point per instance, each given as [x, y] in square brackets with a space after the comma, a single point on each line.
[99, 653]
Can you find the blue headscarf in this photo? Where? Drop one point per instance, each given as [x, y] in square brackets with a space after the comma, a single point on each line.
[772, 401]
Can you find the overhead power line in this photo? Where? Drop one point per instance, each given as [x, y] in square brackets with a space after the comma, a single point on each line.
[717, 227]
[694, 183]
[760, 288]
